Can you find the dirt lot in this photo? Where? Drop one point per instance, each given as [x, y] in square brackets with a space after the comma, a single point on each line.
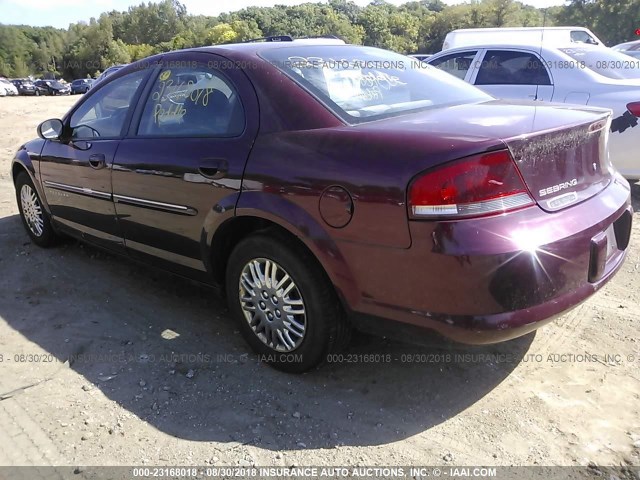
[159, 375]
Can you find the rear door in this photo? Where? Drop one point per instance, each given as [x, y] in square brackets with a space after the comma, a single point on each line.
[76, 173]
[183, 157]
[513, 74]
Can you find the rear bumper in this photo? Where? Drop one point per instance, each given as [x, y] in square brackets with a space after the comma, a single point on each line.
[493, 279]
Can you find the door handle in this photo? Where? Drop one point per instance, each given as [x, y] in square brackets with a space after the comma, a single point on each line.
[214, 169]
[97, 161]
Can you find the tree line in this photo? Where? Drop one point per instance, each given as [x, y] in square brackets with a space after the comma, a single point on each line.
[85, 49]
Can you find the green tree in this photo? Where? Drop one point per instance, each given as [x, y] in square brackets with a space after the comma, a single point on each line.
[85, 48]
[221, 33]
[245, 30]
[613, 21]
[151, 23]
[375, 22]
[137, 52]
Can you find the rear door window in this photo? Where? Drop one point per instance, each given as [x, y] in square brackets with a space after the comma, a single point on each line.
[508, 67]
[192, 102]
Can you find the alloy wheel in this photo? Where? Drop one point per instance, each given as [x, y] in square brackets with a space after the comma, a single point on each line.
[272, 305]
[32, 210]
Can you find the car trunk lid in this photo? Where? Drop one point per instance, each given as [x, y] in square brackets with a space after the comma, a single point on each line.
[560, 150]
[564, 166]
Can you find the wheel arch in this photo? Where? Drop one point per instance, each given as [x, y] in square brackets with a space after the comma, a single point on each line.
[309, 235]
[18, 166]
[22, 162]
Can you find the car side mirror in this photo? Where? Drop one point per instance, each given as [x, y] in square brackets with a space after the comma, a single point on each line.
[51, 129]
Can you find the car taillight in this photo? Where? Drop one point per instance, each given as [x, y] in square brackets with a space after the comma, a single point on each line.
[634, 108]
[479, 185]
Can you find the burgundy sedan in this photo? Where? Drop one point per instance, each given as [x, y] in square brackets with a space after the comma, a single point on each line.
[325, 186]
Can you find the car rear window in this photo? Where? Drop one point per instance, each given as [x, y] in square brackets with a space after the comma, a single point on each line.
[363, 83]
[606, 62]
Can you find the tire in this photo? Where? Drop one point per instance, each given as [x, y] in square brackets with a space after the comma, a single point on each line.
[35, 218]
[325, 328]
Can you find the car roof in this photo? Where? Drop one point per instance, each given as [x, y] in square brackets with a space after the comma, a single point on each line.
[233, 51]
[113, 68]
[259, 46]
[243, 50]
[524, 29]
[520, 46]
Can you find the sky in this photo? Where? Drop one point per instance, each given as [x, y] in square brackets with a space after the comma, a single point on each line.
[60, 13]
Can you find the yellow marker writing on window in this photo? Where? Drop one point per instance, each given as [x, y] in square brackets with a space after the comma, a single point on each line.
[165, 75]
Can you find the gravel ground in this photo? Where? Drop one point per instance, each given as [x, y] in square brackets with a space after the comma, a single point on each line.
[108, 362]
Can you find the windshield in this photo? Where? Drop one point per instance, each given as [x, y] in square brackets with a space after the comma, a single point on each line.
[363, 83]
[606, 62]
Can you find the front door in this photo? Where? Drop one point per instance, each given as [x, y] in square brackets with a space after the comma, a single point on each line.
[76, 171]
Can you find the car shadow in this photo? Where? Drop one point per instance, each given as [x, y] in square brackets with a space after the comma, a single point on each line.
[166, 350]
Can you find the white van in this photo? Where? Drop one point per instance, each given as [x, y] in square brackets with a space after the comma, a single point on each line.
[519, 35]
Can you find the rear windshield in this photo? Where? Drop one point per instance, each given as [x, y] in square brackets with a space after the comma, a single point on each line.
[606, 62]
[363, 83]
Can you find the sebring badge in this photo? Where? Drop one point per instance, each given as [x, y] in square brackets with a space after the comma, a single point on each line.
[559, 187]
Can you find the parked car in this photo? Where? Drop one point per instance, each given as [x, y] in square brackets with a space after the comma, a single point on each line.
[106, 73]
[632, 53]
[52, 87]
[8, 87]
[629, 48]
[577, 74]
[469, 37]
[25, 87]
[321, 194]
[420, 56]
[80, 85]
